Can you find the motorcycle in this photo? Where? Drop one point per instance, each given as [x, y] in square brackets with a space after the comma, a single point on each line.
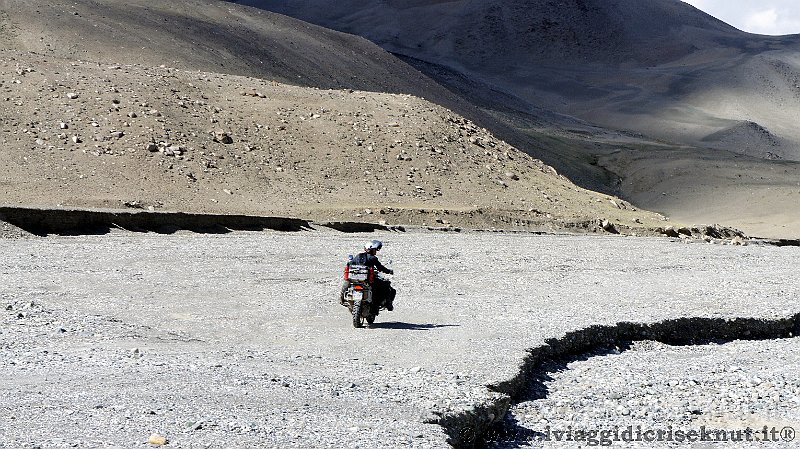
[358, 296]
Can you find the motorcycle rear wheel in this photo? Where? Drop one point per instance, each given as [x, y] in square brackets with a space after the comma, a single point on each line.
[358, 320]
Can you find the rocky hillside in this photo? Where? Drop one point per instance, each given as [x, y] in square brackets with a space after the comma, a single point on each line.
[208, 35]
[94, 134]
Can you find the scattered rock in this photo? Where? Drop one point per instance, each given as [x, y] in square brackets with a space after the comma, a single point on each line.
[133, 204]
[173, 150]
[195, 425]
[253, 93]
[157, 440]
[609, 227]
[223, 137]
[669, 231]
[72, 95]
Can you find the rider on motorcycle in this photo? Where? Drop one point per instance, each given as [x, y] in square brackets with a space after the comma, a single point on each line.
[381, 287]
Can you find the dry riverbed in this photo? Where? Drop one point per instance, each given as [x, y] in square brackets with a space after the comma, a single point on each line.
[235, 340]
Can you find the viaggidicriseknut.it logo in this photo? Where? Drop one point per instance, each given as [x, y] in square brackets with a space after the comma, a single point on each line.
[629, 434]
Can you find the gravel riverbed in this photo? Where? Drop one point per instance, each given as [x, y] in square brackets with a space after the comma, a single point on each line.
[724, 389]
[236, 340]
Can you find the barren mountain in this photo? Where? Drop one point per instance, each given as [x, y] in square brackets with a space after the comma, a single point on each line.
[176, 106]
[659, 68]
[207, 35]
[467, 31]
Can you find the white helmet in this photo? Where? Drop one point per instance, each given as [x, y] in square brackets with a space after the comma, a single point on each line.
[373, 244]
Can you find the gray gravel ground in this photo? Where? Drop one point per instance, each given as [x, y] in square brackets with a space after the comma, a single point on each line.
[235, 340]
[727, 387]
[9, 231]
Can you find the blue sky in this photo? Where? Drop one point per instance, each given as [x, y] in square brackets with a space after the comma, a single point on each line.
[755, 16]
